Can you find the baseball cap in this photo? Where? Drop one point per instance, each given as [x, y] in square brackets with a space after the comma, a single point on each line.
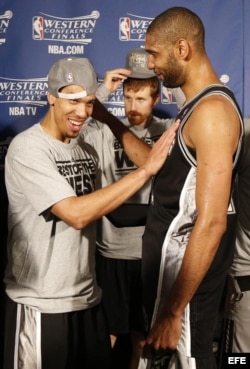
[72, 71]
[136, 61]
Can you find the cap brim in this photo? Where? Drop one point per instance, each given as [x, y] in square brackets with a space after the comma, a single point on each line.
[142, 75]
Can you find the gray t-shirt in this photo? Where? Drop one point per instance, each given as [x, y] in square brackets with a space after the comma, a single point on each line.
[51, 265]
[241, 262]
[121, 242]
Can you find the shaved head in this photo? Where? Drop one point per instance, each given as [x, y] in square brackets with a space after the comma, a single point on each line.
[176, 23]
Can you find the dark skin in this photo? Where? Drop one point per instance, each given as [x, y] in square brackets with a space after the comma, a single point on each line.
[192, 71]
[214, 172]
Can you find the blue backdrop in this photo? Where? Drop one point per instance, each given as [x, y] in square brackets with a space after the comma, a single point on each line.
[33, 34]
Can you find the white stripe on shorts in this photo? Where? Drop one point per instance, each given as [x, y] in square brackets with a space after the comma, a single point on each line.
[27, 352]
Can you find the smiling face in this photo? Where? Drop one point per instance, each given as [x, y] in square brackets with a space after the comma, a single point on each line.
[66, 117]
[162, 59]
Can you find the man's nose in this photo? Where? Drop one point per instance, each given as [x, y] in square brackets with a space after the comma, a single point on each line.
[150, 63]
[133, 104]
[81, 110]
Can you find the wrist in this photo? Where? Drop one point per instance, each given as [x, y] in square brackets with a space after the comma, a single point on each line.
[102, 93]
[144, 174]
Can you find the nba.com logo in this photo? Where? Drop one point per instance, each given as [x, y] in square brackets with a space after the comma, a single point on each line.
[124, 29]
[38, 32]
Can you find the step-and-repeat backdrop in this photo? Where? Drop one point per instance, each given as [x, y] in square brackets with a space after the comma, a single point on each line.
[35, 33]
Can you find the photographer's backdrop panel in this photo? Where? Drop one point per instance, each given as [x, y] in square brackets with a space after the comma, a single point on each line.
[33, 34]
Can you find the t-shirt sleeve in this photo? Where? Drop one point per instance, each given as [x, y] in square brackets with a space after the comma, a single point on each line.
[33, 173]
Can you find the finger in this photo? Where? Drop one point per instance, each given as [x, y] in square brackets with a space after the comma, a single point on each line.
[119, 77]
[124, 71]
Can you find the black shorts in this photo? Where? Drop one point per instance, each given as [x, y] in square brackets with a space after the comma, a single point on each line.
[73, 340]
[120, 281]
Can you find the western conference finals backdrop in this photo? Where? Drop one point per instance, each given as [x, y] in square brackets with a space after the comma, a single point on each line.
[35, 33]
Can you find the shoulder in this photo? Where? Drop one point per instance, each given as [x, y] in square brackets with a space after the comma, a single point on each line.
[216, 110]
[93, 127]
[215, 119]
[29, 137]
[161, 124]
[87, 147]
[245, 160]
[96, 133]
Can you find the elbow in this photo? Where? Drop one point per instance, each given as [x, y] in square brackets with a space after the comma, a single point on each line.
[70, 211]
[212, 229]
[77, 223]
[217, 230]
[221, 226]
[76, 220]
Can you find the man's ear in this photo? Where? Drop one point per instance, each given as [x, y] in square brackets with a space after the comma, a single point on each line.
[51, 99]
[182, 48]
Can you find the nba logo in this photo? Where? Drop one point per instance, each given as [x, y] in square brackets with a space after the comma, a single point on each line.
[124, 29]
[37, 23]
[69, 77]
[166, 95]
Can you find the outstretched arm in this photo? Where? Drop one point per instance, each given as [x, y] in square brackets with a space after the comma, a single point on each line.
[80, 211]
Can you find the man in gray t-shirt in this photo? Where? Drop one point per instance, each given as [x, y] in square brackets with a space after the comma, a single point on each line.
[238, 294]
[53, 312]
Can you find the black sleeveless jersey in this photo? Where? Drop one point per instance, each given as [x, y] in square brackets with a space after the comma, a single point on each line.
[172, 214]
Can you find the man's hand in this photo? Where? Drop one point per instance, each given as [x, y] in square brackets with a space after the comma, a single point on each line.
[161, 150]
[113, 78]
[164, 336]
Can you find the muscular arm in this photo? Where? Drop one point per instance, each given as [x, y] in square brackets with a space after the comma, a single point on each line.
[215, 141]
[80, 211]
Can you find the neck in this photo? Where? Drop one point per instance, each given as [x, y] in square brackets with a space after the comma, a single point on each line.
[200, 76]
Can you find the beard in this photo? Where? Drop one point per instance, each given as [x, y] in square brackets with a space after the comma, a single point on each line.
[171, 73]
[134, 118]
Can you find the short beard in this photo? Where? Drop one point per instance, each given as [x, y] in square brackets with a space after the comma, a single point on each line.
[173, 73]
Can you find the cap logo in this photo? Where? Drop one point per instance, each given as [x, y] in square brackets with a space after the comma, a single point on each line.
[72, 71]
[70, 77]
[138, 59]
[137, 62]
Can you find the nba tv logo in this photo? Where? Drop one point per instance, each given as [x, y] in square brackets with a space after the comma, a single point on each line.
[37, 24]
[124, 29]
